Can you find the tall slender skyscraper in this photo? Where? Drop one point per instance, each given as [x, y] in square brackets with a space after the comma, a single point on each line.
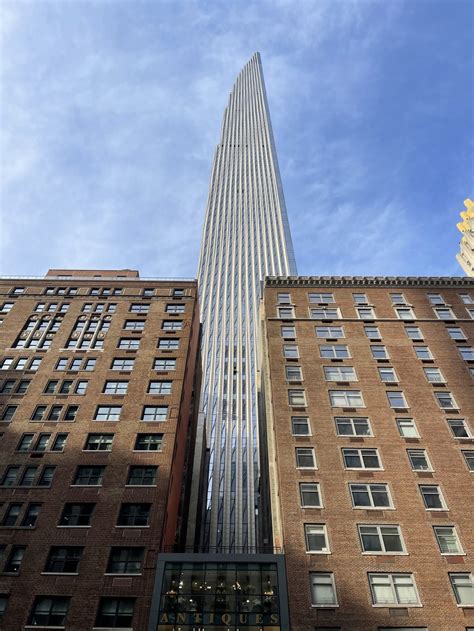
[246, 236]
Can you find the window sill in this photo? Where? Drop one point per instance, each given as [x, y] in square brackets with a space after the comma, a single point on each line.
[141, 486]
[86, 486]
[59, 573]
[397, 606]
[140, 527]
[128, 574]
[82, 527]
[41, 626]
[386, 554]
[314, 552]
[324, 606]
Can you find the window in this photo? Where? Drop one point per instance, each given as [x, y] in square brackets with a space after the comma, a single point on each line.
[29, 475]
[288, 332]
[372, 332]
[329, 331]
[293, 373]
[300, 426]
[463, 588]
[65, 386]
[407, 428]
[419, 460]
[164, 364]
[316, 538]
[116, 387]
[6, 363]
[423, 352]
[346, 398]
[89, 476]
[63, 560]
[467, 353]
[129, 343]
[31, 516]
[324, 297]
[436, 299]
[155, 413]
[388, 375]
[398, 299]
[466, 299]
[122, 364]
[125, 561]
[14, 560]
[434, 375]
[25, 442]
[360, 299]
[378, 351]
[71, 413]
[108, 413]
[297, 398]
[448, 541]
[444, 313]
[148, 442]
[134, 325]
[370, 496]
[89, 364]
[168, 344]
[305, 458]
[99, 442]
[455, 333]
[7, 307]
[10, 476]
[11, 514]
[178, 292]
[340, 373]
[384, 539]
[9, 413]
[446, 401]
[361, 459]
[325, 313]
[432, 497]
[366, 313]
[77, 514]
[59, 442]
[459, 428]
[393, 589]
[175, 308]
[148, 292]
[351, 426]
[284, 299]
[323, 589]
[172, 325]
[134, 515]
[55, 412]
[413, 332]
[139, 308]
[334, 351]
[8, 386]
[142, 476]
[49, 611]
[290, 351]
[160, 387]
[3, 605]
[469, 458]
[310, 495]
[405, 313]
[286, 313]
[115, 613]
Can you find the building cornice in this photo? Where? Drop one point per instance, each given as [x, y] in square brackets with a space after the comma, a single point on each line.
[369, 281]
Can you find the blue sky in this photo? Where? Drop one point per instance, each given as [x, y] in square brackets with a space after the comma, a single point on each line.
[111, 109]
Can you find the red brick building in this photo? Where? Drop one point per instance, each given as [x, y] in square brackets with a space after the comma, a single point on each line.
[97, 377]
[370, 431]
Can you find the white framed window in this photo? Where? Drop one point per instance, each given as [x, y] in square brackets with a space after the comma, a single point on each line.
[346, 399]
[290, 351]
[446, 401]
[155, 413]
[293, 373]
[463, 588]
[432, 497]
[434, 375]
[300, 426]
[139, 308]
[340, 373]
[160, 387]
[352, 426]
[323, 589]
[108, 413]
[366, 313]
[383, 539]
[414, 333]
[172, 325]
[398, 299]
[284, 298]
[393, 589]
[360, 299]
[316, 538]
[444, 313]
[288, 332]
[321, 298]
[459, 428]
[467, 353]
[334, 351]
[468, 456]
[471, 313]
[325, 313]
[448, 540]
[129, 343]
[286, 313]
[175, 308]
[419, 460]
[370, 496]
[116, 387]
[122, 364]
[456, 333]
[466, 299]
[305, 458]
[405, 313]
[436, 299]
[361, 458]
[297, 398]
[388, 375]
[423, 352]
[310, 495]
[330, 331]
[407, 428]
[372, 332]
[397, 400]
[163, 365]
[379, 351]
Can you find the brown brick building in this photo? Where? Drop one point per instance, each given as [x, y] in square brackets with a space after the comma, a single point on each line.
[97, 378]
[370, 426]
